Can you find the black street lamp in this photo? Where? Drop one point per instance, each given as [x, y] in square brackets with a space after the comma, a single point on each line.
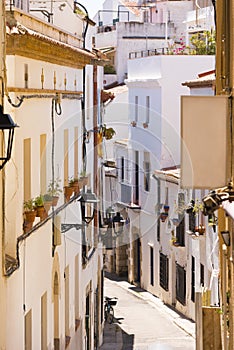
[7, 125]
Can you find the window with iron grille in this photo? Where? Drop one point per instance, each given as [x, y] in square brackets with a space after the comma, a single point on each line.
[202, 275]
[164, 271]
[192, 222]
[180, 284]
[193, 279]
[181, 227]
[151, 266]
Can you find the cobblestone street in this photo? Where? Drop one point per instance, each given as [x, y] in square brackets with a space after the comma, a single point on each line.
[143, 322]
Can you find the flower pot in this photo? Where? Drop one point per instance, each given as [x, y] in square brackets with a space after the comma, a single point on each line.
[133, 123]
[163, 216]
[47, 205]
[166, 208]
[68, 191]
[175, 222]
[40, 212]
[85, 180]
[76, 187]
[55, 201]
[30, 216]
[200, 229]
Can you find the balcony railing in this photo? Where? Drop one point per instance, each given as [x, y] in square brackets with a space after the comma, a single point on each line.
[146, 53]
[129, 194]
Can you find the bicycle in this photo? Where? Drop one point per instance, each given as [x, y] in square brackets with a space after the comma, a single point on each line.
[108, 309]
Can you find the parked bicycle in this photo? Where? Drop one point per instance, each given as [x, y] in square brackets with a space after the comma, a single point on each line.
[108, 309]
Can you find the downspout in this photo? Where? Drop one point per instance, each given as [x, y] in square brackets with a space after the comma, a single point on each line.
[84, 87]
[158, 205]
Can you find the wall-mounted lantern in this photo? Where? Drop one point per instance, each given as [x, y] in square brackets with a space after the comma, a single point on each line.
[88, 200]
[7, 125]
[226, 237]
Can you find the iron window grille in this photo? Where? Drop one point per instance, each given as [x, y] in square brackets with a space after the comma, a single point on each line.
[180, 284]
[164, 271]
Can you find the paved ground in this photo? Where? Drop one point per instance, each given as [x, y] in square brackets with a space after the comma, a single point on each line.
[143, 322]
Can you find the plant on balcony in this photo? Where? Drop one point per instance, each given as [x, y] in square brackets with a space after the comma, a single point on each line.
[54, 190]
[108, 133]
[84, 178]
[203, 43]
[48, 199]
[109, 69]
[39, 206]
[133, 123]
[145, 125]
[29, 210]
[200, 229]
[75, 184]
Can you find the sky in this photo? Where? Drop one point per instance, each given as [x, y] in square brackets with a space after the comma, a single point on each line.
[92, 6]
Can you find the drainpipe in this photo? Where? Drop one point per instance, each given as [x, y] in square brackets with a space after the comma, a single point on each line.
[84, 87]
[158, 206]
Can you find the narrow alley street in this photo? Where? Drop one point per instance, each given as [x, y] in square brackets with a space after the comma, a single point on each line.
[143, 322]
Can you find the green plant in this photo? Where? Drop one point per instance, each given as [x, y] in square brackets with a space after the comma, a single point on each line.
[54, 187]
[203, 43]
[72, 180]
[29, 205]
[109, 69]
[39, 201]
[108, 133]
[47, 197]
[83, 173]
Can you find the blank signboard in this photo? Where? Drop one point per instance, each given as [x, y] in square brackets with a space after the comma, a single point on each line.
[204, 141]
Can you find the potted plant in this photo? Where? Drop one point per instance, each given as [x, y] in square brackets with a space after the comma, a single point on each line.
[84, 177]
[74, 184]
[108, 133]
[54, 190]
[200, 229]
[163, 216]
[39, 206]
[175, 221]
[47, 198]
[29, 211]
[166, 208]
[133, 123]
[68, 190]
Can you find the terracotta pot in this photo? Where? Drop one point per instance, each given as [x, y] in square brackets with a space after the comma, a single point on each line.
[30, 215]
[80, 183]
[68, 192]
[76, 187]
[40, 211]
[55, 201]
[47, 205]
[85, 180]
[166, 208]
[163, 216]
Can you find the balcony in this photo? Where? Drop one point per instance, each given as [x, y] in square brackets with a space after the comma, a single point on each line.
[129, 196]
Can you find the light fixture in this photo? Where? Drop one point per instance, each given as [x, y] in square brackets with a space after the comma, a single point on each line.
[118, 223]
[88, 200]
[67, 227]
[226, 237]
[213, 200]
[7, 125]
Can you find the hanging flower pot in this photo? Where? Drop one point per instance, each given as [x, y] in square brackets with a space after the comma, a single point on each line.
[55, 201]
[200, 229]
[175, 221]
[163, 216]
[166, 208]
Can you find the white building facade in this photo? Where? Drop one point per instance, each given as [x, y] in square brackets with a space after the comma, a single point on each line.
[53, 268]
[165, 253]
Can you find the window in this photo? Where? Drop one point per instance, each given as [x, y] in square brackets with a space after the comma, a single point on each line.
[164, 271]
[151, 266]
[44, 321]
[28, 330]
[147, 119]
[27, 169]
[180, 284]
[66, 273]
[122, 169]
[43, 185]
[136, 109]
[76, 152]
[202, 275]
[76, 291]
[26, 76]
[193, 279]
[192, 222]
[66, 157]
[146, 166]
[181, 227]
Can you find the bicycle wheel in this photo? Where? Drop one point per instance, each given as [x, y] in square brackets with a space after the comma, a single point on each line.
[109, 315]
